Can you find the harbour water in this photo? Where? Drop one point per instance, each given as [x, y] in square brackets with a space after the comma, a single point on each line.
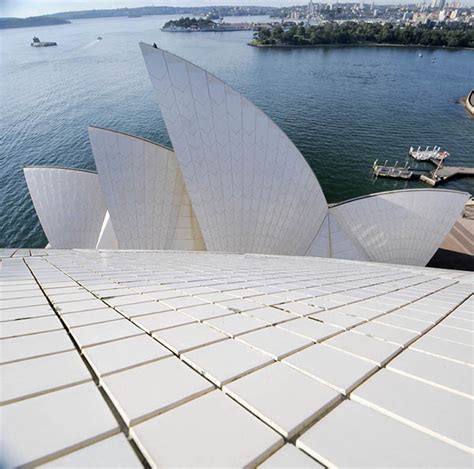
[343, 107]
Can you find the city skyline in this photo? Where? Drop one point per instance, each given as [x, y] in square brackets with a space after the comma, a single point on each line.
[25, 8]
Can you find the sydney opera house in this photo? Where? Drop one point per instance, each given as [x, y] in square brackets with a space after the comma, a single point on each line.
[203, 306]
[233, 182]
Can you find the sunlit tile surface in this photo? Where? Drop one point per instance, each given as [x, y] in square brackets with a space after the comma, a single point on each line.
[166, 358]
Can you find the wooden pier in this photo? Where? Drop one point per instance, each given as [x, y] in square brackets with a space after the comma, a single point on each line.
[433, 178]
[445, 173]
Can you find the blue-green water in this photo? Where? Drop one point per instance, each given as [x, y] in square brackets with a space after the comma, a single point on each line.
[343, 107]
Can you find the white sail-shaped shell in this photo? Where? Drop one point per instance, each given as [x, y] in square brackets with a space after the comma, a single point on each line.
[145, 193]
[250, 187]
[400, 227]
[69, 204]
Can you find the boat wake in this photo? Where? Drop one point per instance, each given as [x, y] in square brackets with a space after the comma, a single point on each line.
[96, 41]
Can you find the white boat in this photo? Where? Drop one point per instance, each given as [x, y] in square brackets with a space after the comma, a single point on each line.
[37, 43]
[427, 153]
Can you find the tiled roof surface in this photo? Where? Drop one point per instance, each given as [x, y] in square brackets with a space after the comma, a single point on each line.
[157, 358]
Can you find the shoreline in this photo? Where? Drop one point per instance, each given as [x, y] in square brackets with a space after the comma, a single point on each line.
[368, 44]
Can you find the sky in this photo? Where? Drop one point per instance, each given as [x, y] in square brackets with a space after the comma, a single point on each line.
[24, 8]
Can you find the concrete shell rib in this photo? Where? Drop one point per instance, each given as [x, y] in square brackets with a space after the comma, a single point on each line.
[250, 187]
[145, 193]
[69, 204]
[401, 227]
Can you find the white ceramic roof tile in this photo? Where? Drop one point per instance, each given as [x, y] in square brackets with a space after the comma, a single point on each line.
[32, 377]
[183, 302]
[411, 313]
[278, 343]
[148, 390]
[415, 325]
[125, 353]
[435, 370]
[140, 309]
[240, 305]
[93, 316]
[215, 296]
[34, 345]
[29, 326]
[106, 291]
[421, 405]
[291, 457]
[126, 300]
[437, 382]
[463, 314]
[338, 319]
[25, 313]
[77, 306]
[76, 296]
[271, 315]
[284, 398]
[15, 294]
[159, 321]
[354, 435]
[335, 368]
[310, 329]
[95, 334]
[53, 423]
[389, 333]
[183, 338]
[364, 346]
[358, 310]
[298, 308]
[211, 429]
[225, 361]
[453, 334]
[206, 311]
[236, 324]
[444, 348]
[115, 451]
[23, 302]
[459, 323]
[166, 294]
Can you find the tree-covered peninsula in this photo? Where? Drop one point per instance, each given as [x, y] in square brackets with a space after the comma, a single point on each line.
[362, 33]
[190, 23]
[7, 23]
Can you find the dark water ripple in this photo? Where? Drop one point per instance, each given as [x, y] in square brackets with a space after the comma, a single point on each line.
[343, 107]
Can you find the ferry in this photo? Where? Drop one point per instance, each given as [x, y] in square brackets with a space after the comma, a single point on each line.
[427, 154]
[37, 43]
